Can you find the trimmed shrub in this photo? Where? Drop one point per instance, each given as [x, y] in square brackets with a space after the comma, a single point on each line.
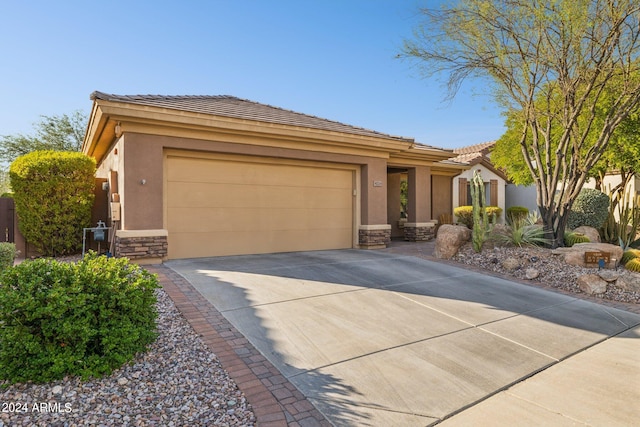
[516, 214]
[591, 208]
[84, 319]
[572, 238]
[8, 253]
[464, 214]
[53, 193]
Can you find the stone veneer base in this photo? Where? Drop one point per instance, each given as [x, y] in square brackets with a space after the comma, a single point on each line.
[374, 237]
[142, 246]
[419, 232]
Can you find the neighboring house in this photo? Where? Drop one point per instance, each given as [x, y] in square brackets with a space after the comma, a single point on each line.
[477, 157]
[199, 176]
[612, 180]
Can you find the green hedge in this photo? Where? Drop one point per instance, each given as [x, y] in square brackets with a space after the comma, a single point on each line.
[591, 208]
[84, 319]
[53, 193]
[464, 214]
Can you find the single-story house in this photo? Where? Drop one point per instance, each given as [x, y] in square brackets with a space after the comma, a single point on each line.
[200, 176]
[478, 158]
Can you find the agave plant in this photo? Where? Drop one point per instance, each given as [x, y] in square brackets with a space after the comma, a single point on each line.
[523, 231]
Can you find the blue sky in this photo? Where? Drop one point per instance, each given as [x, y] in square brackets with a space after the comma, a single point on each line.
[334, 59]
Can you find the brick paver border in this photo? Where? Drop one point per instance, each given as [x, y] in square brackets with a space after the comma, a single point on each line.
[274, 400]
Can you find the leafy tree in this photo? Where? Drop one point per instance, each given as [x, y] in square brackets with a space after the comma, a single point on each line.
[57, 133]
[551, 64]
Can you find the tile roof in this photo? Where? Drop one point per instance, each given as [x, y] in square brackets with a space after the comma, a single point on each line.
[473, 154]
[230, 106]
[482, 148]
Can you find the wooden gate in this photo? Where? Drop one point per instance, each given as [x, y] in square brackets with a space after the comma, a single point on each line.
[7, 215]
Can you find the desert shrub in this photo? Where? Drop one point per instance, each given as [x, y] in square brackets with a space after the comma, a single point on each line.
[84, 319]
[494, 213]
[516, 213]
[571, 238]
[522, 231]
[8, 253]
[464, 214]
[591, 208]
[53, 193]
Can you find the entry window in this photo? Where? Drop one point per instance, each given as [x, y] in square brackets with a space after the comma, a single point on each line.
[487, 194]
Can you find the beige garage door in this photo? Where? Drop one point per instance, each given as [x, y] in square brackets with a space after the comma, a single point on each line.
[234, 206]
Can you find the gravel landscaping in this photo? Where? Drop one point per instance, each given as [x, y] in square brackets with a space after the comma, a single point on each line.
[178, 382]
[553, 271]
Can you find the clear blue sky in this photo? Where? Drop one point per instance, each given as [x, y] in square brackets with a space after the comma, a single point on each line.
[330, 58]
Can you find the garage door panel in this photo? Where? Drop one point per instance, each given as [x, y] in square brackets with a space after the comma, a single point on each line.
[226, 172]
[251, 196]
[195, 245]
[190, 220]
[224, 207]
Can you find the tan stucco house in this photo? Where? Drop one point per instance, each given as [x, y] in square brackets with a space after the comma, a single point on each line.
[199, 176]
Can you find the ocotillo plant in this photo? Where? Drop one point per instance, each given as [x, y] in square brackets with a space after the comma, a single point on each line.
[481, 222]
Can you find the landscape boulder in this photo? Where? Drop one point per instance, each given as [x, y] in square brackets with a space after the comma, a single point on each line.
[590, 232]
[450, 238]
[592, 284]
[629, 281]
[575, 254]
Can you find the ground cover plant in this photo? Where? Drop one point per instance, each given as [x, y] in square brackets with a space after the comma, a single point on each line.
[86, 318]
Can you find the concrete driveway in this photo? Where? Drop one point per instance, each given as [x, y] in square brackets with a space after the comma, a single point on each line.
[381, 339]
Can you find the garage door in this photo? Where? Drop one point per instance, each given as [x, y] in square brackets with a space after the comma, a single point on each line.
[232, 206]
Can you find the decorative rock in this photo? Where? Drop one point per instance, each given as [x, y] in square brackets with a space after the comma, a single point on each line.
[57, 390]
[609, 276]
[450, 238]
[592, 284]
[590, 232]
[531, 273]
[510, 264]
[122, 381]
[629, 282]
[575, 254]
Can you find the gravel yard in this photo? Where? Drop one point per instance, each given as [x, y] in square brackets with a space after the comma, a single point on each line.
[178, 382]
[553, 271]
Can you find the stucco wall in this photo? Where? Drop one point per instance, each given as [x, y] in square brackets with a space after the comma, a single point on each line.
[521, 195]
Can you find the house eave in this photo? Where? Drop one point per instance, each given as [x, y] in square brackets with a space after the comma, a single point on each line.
[106, 115]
